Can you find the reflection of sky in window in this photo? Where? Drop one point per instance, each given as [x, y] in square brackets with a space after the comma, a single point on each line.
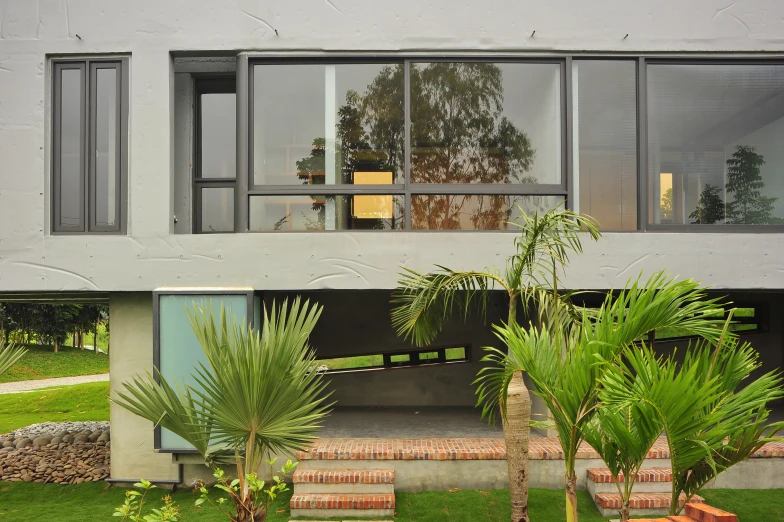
[218, 135]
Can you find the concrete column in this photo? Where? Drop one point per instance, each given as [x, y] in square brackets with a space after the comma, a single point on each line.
[130, 353]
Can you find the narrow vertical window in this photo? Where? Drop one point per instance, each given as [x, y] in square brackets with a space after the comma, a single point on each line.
[69, 148]
[216, 168]
[89, 150]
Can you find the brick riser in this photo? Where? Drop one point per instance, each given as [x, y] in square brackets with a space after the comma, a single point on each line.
[344, 481]
[653, 480]
[640, 504]
[342, 505]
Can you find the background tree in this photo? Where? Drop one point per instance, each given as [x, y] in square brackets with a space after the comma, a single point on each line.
[744, 182]
[710, 207]
[55, 322]
[665, 209]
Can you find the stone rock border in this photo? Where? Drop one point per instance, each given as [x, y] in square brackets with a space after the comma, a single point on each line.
[60, 453]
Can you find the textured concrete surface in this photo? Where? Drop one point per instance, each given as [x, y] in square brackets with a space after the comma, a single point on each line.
[407, 422]
[25, 386]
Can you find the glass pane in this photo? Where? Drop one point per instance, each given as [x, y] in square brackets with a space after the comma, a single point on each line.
[485, 123]
[218, 135]
[453, 354]
[71, 179]
[217, 209]
[348, 363]
[106, 151]
[714, 141]
[325, 124]
[459, 212]
[180, 351]
[605, 95]
[300, 212]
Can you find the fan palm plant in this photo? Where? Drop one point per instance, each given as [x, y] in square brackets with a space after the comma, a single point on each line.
[710, 421]
[424, 301]
[568, 381]
[257, 396]
[10, 355]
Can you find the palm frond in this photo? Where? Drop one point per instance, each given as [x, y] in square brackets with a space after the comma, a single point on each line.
[256, 393]
[423, 302]
[544, 244]
[9, 356]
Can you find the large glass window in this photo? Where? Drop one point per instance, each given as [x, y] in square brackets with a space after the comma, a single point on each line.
[714, 144]
[604, 100]
[89, 157]
[323, 124]
[480, 122]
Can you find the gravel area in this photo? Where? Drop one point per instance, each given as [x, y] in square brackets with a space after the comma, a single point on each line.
[52, 428]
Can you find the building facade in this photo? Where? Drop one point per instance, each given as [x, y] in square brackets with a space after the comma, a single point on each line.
[155, 150]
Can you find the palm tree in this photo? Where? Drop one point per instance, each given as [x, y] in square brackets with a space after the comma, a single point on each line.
[258, 396]
[10, 355]
[710, 421]
[423, 302]
[568, 381]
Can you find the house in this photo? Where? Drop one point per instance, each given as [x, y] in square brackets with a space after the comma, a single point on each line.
[156, 153]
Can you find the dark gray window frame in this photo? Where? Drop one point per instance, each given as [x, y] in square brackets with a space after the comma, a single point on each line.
[406, 189]
[244, 188]
[87, 222]
[642, 191]
[209, 84]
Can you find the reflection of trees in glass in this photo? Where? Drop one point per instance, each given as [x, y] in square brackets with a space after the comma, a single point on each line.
[710, 207]
[665, 207]
[459, 135]
[744, 182]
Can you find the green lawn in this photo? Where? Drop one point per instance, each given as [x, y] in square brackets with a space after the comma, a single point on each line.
[40, 362]
[80, 402]
[20, 502]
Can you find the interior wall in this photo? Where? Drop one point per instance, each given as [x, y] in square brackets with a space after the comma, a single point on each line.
[358, 322]
[183, 158]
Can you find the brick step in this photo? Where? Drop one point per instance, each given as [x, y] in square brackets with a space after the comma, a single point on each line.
[696, 512]
[640, 503]
[342, 505]
[706, 513]
[644, 475]
[652, 480]
[367, 481]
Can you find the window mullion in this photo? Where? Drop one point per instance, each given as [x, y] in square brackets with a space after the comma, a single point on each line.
[407, 143]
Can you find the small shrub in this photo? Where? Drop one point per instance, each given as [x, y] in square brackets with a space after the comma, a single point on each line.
[132, 509]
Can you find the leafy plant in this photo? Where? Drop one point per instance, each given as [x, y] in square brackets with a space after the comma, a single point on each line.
[262, 494]
[133, 508]
[744, 181]
[710, 207]
[10, 355]
[257, 395]
[423, 302]
[568, 380]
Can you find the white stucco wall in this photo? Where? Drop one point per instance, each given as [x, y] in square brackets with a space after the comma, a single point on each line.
[149, 30]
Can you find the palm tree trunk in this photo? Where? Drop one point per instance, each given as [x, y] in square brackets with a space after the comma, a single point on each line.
[625, 511]
[517, 431]
[571, 498]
